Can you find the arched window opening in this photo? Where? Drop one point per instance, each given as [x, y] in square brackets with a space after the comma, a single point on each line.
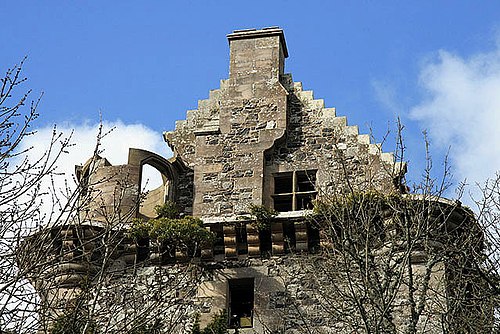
[151, 178]
[153, 190]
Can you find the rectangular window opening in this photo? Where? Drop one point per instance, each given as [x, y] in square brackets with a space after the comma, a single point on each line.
[241, 302]
[56, 242]
[167, 252]
[306, 181]
[294, 190]
[283, 203]
[304, 201]
[283, 183]
[142, 249]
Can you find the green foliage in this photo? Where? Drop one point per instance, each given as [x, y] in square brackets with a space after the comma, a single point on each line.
[359, 219]
[263, 216]
[140, 229]
[218, 325]
[167, 210]
[73, 322]
[183, 233]
[186, 230]
[356, 203]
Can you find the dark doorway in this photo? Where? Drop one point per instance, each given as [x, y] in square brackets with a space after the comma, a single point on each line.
[240, 300]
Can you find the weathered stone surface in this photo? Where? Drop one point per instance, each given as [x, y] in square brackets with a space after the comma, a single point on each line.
[260, 123]
[259, 139]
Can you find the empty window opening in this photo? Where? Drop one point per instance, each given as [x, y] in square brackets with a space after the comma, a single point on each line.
[152, 189]
[240, 302]
[241, 239]
[294, 190]
[283, 183]
[283, 203]
[167, 252]
[142, 249]
[151, 178]
[56, 242]
[306, 181]
[289, 236]
[305, 201]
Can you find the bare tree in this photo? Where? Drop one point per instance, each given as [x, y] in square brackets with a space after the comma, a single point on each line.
[401, 261]
[21, 194]
[389, 262]
[488, 216]
[102, 270]
[67, 261]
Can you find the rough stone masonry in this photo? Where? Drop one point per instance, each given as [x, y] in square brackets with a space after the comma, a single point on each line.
[261, 140]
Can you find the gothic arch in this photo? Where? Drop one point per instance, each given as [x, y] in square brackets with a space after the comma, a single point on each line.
[138, 157]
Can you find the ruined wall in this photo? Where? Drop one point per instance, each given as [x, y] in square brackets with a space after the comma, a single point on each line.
[298, 294]
[230, 153]
[260, 123]
[317, 139]
[110, 193]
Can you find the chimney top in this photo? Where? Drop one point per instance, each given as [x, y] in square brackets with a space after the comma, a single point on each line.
[264, 32]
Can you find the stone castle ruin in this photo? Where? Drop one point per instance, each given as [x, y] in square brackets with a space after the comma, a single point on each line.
[259, 141]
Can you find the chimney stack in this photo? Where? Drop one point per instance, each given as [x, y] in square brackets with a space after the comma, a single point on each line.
[256, 55]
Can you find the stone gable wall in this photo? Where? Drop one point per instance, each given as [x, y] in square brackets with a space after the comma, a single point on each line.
[318, 139]
[230, 153]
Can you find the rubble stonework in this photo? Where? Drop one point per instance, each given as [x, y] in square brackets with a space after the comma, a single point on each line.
[261, 140]
[258, 123]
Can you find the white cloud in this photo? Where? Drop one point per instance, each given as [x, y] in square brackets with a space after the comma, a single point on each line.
[385, 93]
[114, 147]
[461, 110]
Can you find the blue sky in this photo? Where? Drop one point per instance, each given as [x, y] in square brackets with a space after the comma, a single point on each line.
[144, 63]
